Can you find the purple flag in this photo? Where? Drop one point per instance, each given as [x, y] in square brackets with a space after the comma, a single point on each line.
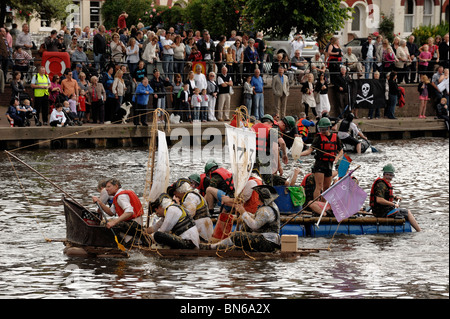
[345, 197]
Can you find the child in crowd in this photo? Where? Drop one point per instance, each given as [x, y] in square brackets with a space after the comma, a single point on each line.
[196, 104]
[57, 118]
[442, 111]
[15, 114]
[81, 105]
[424, 57]
[248, 94]
[185, 110]
[424, 95]
[389, 59]
[73, 106]
[30, 113]
[204, 106]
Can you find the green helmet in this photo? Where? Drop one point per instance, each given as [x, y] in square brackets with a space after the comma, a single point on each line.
[388, 169]
[211, 163]
[290, 122]
[267, 117]
[194, 178]
[324, 122]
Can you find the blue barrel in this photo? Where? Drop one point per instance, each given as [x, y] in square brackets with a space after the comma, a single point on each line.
[284, 201]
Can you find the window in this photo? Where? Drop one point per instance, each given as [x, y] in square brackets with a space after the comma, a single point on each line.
[428, 7]
[409, 15]
[95, 14]
[356, 23]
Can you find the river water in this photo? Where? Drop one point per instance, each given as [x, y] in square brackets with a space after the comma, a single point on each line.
[412, 265]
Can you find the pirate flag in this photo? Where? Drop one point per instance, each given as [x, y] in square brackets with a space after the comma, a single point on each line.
[368, 94]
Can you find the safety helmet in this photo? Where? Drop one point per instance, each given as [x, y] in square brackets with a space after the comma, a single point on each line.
[267, 118]
[194, 178]
[211, 163]
[290, 123]
[388, 169]
[324, 123]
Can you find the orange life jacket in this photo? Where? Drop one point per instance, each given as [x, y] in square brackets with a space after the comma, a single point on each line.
[302, 129]
[227, 177]
[252, 204]
[134, 201]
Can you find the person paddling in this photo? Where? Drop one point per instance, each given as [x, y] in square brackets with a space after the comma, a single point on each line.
[329, 150]
[383, 201]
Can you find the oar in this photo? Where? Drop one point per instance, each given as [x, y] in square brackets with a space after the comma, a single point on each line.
[395, 210]
[119, 245]
[374, 150]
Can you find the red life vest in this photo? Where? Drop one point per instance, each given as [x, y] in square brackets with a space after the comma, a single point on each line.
[227, 177]
[262, 136]
[329, 148]
[252, 204]
[388, 196]
[134, 201]
[302, 129]
[201, 187]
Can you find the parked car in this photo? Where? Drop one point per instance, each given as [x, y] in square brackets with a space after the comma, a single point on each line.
[284, 46]
[356, 45]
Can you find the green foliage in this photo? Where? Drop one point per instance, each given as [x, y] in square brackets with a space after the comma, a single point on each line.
[386, 27]
[28, 9]
[279, 18]
[423, 32]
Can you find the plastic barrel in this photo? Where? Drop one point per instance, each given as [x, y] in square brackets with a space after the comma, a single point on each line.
[223, 227]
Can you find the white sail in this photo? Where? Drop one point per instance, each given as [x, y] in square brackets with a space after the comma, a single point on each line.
[242, 150]
[161, 171]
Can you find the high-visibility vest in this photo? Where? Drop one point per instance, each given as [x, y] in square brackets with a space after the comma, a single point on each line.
[41, 81]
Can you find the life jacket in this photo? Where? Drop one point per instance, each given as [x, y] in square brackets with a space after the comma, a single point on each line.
[204, 183]
[134, 201]
[262, 131]
[227, 177]
[328, 148]
[201, 210]
[302, 129]
[244, 123]
[309, 185]
[344, 126]
[251, 205]
[272, 227]
[389, 195]
[183, 223]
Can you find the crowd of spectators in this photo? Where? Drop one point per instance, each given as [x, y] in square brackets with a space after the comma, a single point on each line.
[122, 58]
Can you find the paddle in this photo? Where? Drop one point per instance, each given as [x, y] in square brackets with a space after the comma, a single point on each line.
[395, 210]
[119, 245]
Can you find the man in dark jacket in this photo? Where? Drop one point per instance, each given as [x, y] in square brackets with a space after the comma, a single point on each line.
[444, 52]
[341, 83]
[414, 53]
[99, 47]
[207, 48]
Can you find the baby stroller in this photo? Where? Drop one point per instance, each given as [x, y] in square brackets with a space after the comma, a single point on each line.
[31, 113]
[70, 119]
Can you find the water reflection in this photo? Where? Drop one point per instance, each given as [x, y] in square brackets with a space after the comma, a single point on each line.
[411, 265]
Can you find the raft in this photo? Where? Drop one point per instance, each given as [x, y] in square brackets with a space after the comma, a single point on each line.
[85, 238]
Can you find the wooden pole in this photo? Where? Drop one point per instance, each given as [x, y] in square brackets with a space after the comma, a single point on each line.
[48, 180]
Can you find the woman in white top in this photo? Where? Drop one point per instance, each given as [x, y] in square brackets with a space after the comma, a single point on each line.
[179, 55]
[404, 60]
[118, 49]
[132, 55]
[237, 50]
[118, 87]
[200, 78]
[150, 55]
[308, 98]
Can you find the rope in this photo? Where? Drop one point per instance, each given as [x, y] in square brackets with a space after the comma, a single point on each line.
[28, 200]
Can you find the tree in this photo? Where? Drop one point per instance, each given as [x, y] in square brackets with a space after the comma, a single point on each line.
[280, 18]
[27, 9]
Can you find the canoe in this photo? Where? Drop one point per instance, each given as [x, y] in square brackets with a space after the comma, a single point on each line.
[86, 238]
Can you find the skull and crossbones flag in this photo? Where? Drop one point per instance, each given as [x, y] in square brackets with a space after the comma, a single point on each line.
[368, 94]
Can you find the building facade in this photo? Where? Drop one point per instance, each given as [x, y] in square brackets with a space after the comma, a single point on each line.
[407, 15]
